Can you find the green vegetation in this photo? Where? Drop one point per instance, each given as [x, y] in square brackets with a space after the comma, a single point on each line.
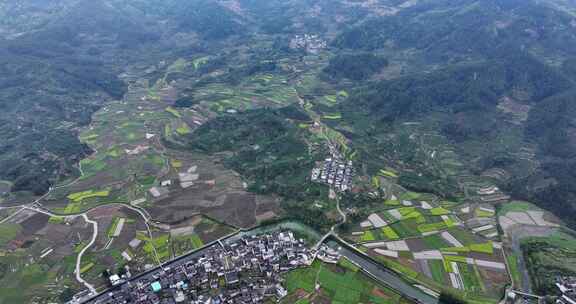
[80, 196]
[368, 236]
[161, 244]
[345, 263]
[548, 257]
[483, 213]
[86, 268]
[388, 173]
[342, 283]
[174, 112]
[112, 227]
[438, 272]
[332, 116]
[73, 208]
[270, 151]
[8, 232]
[465, 237]
[439, 211]
[517, 206]
[56, 220]
[435, 226]
[196, 241]
[435, 241]
[472, 283]
[397, 267]
[257, 137]
[513, 269]
[390, 233]
[487, 248]
[183, 129]
[355, 67]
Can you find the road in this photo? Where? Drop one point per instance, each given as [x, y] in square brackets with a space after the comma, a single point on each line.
[332, 231]
[36, 208]
[79, 258]
[11, 216]
[152, 275]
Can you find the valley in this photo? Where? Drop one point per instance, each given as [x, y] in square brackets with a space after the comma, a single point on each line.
[438, 153]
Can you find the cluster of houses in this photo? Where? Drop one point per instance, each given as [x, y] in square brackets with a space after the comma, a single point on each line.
[567, 286]
[246, 270]
[336, 173]
[310, 43]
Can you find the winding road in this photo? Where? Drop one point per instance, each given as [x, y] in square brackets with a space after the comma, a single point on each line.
[84, 215]
[79, 258]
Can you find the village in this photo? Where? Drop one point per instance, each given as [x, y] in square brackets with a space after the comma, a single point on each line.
[245, 270]
[567, 286]
[336, 173]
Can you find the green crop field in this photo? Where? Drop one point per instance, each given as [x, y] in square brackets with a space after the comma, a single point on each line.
[333, 116]
[72, 208]
[435, 241]
[388, 173]
[303, 278]
[390, 233]
[392, 203]
[465, 237]
[339, 284]
[483, 213]
[406, 228]
[79, 196]
[392, 264]
[433, 227]
[196, 241]
[367, 236]
[437, 270]
[487, 248]
[472, 283]
[112, 227]
[91, 167]
[410, 196]
[174, 112]
[161, 244]
[513, 268]
[86, 268]
[183, 129]
[345, 263]
[439, 211]
[8, 232]
[456, 249]
[516, 206]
